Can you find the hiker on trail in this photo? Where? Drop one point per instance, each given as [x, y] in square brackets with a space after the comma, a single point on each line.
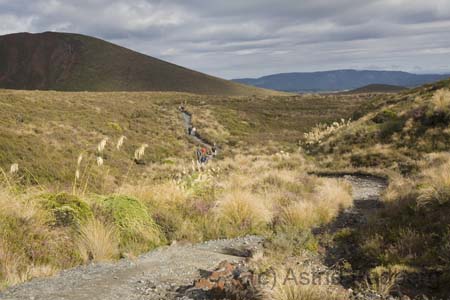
[204, 151]
[204, 160]
[214, 150]
[181, 107]
[198, 153]
[189, 130]
[193, 131]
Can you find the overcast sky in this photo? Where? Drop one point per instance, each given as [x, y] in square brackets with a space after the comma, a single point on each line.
[252, 38]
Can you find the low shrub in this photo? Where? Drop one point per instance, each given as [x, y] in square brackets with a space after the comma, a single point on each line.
[385, 116]
[137, 230]
[67, 210]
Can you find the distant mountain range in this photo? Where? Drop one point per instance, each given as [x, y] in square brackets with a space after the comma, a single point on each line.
[74, 62]
[339, 80]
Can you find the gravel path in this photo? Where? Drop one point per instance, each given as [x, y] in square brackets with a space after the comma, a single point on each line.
[187, 121]
[367, 191]
[156, 275]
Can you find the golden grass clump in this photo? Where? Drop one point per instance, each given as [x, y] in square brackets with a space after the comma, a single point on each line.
[299, 215]
[441, 100]
[436, 185]
[321, 131]
[383, 279]
[325, 203]
[167, 193]
[399, 188]
[97, 241]
[241, 212]
[332, 196]
[300, 283]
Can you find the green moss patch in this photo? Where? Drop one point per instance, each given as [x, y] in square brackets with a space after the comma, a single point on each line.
[67, 210]
[138, 230]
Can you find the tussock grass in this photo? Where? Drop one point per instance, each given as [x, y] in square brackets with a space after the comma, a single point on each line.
[29, 245]
[441, 100]
[436, 185]
[296, 284]
[332, 196]
[241, 213]
[384, 280]
[97, 241]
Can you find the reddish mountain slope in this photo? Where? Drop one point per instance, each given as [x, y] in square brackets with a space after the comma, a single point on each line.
[72, 62]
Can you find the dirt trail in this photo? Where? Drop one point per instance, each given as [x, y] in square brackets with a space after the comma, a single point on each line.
[187, 121]
[367, 192]
[156, 275]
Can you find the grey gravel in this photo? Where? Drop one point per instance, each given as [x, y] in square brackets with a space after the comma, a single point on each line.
[155, 275]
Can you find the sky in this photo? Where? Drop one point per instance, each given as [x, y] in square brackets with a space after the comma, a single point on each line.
[253, 38]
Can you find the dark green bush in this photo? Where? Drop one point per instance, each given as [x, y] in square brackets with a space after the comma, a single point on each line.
[67, 210]
[138, 231]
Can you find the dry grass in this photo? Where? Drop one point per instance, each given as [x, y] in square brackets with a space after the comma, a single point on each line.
[29, 247]
[42, 124]
[383, 280]
[97, 241]
[241, 212]
[297, 284]
[436, 185]
[319, 207]
[321, 131]
[332, 196]
[244, 194]
[441, 100]
[167, 193]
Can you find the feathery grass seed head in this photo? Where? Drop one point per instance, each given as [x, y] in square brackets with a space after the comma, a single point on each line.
[99, 161]
[101, 146]
[120, 142]
[139, 153]
[14, 168]
[80, 159]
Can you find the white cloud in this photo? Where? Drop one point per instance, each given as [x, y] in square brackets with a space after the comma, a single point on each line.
[10, 23]
[238, 38]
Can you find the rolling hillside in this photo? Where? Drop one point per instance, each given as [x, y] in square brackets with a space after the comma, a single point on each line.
[338, 80]
[393, 131]
[378, 88]
[73, 62]
[56, 127]
[405, 136]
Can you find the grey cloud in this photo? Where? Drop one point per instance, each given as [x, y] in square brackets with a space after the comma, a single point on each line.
[238, 38]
